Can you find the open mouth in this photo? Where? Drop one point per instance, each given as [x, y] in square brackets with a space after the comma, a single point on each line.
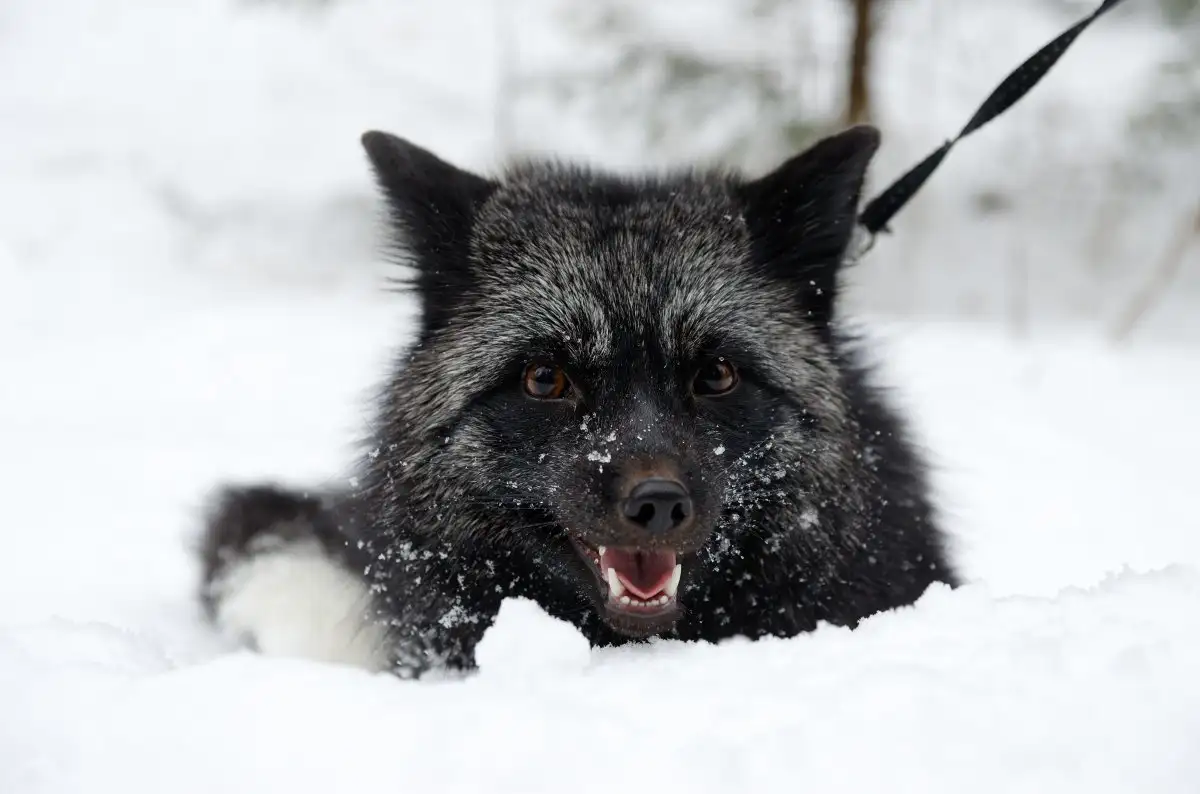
[640, 585]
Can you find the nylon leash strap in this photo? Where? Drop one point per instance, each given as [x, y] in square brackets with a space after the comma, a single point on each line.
[875, 217]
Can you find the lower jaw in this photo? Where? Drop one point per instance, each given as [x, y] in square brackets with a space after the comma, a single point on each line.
[637, 618]
[640, 625]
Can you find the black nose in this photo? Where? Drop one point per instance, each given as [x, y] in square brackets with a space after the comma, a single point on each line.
[658, 505]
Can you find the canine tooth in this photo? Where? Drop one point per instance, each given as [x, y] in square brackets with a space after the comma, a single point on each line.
[615, 588]
[673, 585]
[601, 549]
[625, 600]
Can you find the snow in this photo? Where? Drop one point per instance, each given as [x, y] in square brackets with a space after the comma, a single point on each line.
[526, 642]
[1092, 690]
[190, 293]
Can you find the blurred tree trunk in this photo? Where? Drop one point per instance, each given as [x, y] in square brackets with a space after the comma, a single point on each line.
[858, 106]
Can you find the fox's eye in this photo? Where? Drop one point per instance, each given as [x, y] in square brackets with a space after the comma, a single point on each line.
[545, 382]
[716, 377]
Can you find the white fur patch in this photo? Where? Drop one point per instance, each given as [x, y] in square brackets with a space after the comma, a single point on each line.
[295, 601]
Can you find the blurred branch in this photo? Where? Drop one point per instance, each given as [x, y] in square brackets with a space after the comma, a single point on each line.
[858, 107]
[1160, 280]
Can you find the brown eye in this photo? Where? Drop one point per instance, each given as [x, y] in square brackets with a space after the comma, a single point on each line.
[715, 378]
[545, 382]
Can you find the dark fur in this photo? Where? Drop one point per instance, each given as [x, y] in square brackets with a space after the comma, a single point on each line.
[811, 504]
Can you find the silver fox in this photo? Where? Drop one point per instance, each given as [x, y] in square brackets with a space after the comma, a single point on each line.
[630, 399]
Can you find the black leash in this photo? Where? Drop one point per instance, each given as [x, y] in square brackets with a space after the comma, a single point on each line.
[879, 211]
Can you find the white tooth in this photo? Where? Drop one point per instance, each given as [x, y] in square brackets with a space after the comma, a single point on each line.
[625, 600]
[615, 588]
[601, 549]
[673, 585]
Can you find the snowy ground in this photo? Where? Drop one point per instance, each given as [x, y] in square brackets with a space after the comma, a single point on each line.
[186, 295]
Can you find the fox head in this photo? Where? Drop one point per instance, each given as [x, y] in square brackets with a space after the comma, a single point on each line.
[626, 380]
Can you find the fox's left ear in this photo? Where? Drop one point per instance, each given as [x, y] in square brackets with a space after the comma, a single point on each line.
[802, 215]
[432, 206]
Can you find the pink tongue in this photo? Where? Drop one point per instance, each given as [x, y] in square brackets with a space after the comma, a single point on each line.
[645, 574]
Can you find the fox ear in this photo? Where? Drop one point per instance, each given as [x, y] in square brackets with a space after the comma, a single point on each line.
[432, 206]
[802, 215]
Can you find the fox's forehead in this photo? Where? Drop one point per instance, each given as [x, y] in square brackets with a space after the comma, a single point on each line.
[623, 230]
[595, 261]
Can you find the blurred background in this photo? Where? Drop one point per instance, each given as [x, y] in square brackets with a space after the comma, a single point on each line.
[219, 138]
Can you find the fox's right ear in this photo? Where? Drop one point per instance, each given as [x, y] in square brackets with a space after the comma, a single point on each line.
[432, 206]
[802, 215]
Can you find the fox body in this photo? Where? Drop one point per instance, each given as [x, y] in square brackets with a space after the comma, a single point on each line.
[630, 399]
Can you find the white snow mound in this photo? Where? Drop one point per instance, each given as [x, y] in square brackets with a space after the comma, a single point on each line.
[1090, 691]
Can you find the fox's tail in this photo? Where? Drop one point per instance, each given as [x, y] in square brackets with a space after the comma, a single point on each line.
[277, 575]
